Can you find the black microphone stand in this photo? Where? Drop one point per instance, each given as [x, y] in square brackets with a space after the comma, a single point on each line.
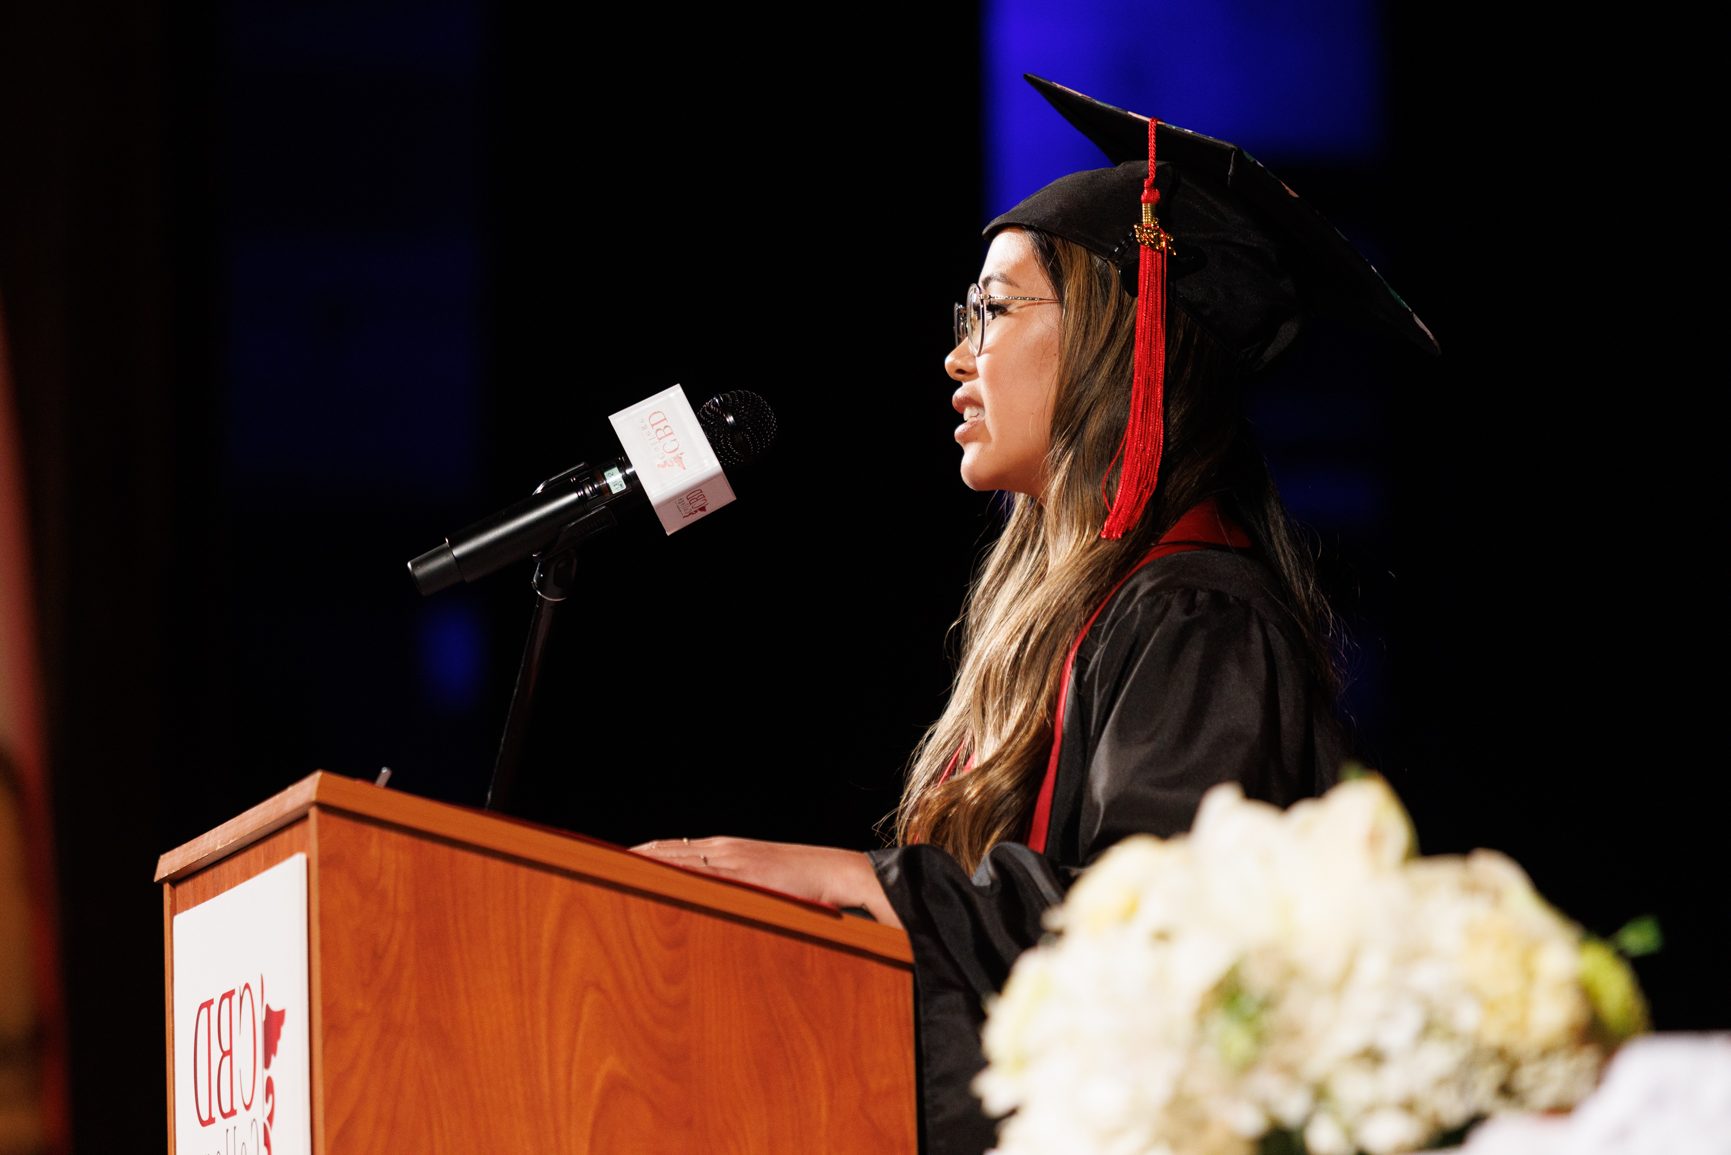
[555, 574]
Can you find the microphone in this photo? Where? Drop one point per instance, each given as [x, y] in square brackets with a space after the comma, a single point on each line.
[684, 483]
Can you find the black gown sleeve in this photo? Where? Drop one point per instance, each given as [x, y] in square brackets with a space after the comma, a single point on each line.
[1177, 688]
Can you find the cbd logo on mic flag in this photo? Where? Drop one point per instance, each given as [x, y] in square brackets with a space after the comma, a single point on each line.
[693, 504]
[675, 463]
[242, 1059]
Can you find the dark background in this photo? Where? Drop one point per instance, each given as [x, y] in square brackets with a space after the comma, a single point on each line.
[291, 296]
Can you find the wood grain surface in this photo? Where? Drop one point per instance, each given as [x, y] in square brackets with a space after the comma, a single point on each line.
[481, 985]
[557, 849]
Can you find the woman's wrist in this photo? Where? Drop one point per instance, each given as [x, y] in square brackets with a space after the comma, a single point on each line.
[856, 884]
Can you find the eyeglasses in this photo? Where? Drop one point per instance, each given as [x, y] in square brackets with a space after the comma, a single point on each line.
[971, 317]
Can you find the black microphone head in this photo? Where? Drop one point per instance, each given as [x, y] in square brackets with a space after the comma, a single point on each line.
[739, 424]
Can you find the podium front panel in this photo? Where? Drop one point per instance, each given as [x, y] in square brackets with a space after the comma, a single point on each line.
[469, 998]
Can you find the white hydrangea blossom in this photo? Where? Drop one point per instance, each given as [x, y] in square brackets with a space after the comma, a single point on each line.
[1296, 971]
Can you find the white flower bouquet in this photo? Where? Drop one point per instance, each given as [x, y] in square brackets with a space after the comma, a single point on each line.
[1296, 981]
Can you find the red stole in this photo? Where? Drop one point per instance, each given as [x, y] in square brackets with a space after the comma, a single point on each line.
[1202, 526]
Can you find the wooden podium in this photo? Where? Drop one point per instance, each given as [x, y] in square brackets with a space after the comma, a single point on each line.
[478, 984]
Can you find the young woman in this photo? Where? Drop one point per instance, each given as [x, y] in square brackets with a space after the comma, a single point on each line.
[1148, 624]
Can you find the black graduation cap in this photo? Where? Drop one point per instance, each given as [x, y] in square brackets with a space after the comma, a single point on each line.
[1249, 259]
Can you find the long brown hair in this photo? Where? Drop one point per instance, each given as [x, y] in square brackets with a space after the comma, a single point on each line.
[1050, 569]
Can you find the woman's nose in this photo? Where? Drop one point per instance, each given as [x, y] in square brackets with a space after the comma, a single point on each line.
[960, 363]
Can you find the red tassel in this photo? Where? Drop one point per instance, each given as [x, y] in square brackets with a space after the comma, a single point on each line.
[1144, 434]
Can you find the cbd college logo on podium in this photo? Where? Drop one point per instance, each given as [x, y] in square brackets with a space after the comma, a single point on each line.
[227, 1054]
[241, 1040]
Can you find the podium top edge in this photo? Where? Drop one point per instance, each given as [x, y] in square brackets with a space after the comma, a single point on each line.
[244, 828]
[524, 840]
[322, 788]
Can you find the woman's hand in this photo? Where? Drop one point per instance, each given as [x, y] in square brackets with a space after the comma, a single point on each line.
[819, 873]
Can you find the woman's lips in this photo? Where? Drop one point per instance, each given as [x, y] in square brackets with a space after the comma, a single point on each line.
[970, 419]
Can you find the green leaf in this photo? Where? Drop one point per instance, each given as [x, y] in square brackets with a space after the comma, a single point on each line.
[1619, 1009]
[1639, 936]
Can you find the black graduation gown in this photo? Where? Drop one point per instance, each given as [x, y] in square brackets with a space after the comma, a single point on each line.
[1189, 677]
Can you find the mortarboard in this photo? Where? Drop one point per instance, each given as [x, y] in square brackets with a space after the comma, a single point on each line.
[1242, 255]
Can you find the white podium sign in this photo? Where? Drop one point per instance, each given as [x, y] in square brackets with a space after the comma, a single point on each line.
[242, 1043]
